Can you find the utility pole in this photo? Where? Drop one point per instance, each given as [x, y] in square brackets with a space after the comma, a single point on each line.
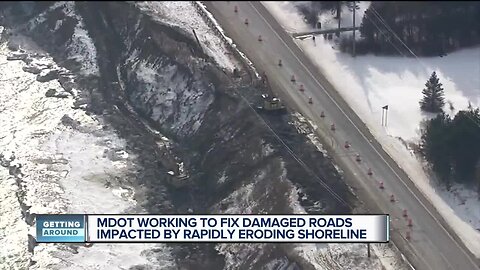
[354, 7]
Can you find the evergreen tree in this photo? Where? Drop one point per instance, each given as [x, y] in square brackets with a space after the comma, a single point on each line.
[465, 144]
[435, 146]
[452, 146]
[433, 96]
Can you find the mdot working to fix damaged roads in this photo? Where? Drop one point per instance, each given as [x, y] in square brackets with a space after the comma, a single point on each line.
[230, 229]
[208, 221]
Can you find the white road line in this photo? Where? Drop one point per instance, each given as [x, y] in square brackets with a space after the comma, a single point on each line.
[336, 104]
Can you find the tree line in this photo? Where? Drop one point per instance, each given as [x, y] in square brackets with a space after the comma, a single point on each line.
[427, 28]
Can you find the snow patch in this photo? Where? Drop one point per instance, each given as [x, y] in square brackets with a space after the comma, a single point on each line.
[307, 127]
[222, 178]
[82, 49]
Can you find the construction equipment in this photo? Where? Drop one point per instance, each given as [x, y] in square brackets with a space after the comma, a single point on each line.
[271, 104]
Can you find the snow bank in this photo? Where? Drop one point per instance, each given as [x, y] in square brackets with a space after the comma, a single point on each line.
[289, 10]
[397, 82]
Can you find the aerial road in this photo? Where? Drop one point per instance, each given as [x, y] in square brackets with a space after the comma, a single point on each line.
[433, 244]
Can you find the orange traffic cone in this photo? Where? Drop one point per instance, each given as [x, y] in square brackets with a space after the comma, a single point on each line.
[332, 127]
[392, 198]
[310, 101]
[408, 236]
[369, 172]
[357, 158]
[405, 213]
[347, 144]
[301, 88]
[280, 62]
[293, 78]
[381, 185]
[246, 21]
[322, 114]
[260, 38]
[410, 222]
[235, 8]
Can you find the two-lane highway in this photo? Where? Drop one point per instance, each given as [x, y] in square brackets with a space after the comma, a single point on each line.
[433, 244]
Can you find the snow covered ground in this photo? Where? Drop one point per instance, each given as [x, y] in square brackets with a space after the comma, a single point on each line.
[70, 164]
[398, 82]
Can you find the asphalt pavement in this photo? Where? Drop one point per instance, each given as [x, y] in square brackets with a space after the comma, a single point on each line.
[433, 244]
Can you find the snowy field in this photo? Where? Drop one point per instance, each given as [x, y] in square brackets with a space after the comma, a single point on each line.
[370, 82]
